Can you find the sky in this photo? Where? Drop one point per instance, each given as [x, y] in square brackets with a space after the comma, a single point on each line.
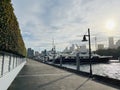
[66, 21]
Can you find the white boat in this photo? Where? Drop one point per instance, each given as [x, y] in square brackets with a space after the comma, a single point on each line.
[84, 57]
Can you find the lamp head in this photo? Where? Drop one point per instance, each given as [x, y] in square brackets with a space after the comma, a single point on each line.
[84, 38]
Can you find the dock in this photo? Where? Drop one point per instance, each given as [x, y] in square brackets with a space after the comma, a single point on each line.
[39, 76]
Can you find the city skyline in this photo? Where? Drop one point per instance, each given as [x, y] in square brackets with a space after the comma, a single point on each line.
[112, 44]
[42, 20]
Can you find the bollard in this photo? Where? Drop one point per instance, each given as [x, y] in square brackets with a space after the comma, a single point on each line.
[60, 60]
[2, 69]
[78, 62]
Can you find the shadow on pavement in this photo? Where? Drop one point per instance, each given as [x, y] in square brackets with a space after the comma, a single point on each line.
[44, 85]
[82, 84]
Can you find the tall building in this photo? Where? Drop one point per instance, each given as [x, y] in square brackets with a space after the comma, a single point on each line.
[72, 48]
[118, 44]
[66, 50]
[111, 43]
[83, 48]
[100, 46]
[37, 53]
[30, 53]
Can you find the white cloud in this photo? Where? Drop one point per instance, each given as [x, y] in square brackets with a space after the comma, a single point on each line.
[63, 20]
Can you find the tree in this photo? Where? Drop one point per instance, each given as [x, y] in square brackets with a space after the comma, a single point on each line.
[10, 36]
[110, 52]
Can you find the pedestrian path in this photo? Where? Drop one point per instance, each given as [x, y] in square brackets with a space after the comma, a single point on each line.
[39, 76]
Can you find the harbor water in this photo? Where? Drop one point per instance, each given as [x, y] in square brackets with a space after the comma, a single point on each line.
[111, 69]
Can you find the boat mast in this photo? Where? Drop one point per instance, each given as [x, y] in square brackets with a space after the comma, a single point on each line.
[95, 43]
[53, 50]
[53, 45]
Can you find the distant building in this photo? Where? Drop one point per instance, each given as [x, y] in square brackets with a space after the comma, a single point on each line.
[118, 44]
[66, 50]
[30, 53]
[100, 46]
[111, 43]
[37, 53]
[72, 48]
[83, 48]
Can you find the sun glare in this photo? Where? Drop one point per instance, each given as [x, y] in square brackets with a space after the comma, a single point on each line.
[110, 24]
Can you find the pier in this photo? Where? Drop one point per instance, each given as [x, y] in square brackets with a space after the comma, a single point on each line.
[39, 76]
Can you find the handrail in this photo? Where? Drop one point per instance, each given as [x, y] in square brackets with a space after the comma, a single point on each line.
[9, 61]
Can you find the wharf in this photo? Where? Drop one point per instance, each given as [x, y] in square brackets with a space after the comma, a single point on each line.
[39, 76]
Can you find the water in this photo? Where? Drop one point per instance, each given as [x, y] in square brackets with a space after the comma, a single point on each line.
[111, 69]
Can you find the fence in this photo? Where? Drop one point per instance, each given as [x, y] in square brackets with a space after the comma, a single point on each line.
[8, 62]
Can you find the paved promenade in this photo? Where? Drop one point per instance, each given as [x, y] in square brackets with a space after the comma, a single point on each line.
[39, 76]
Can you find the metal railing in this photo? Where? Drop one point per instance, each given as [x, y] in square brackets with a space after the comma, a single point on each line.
[9, 61]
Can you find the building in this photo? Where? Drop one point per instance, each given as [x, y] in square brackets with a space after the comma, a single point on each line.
[83, 48]
[30, 53]
[66, 50]
[37, 53]
[111, 43]
[100, 46]
[72, 48]
[117, 44]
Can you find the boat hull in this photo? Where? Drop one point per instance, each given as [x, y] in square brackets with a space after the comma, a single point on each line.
[83, 60]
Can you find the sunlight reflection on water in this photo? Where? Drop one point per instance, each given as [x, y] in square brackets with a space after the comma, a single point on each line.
[111, 70]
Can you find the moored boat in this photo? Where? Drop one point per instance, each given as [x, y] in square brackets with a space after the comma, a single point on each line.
[84, 58]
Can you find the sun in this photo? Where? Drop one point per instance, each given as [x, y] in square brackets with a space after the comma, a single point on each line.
[110, 25]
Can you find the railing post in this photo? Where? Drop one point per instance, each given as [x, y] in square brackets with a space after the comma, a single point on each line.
[60, 60]
[78, 62]
[2, 69]
[20, 60]
[9, 63]
[13, 61]
[16, 61]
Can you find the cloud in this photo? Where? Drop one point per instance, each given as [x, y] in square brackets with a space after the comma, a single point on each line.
[42, 20]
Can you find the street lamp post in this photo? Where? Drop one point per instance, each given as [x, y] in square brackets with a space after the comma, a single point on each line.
[84, 39]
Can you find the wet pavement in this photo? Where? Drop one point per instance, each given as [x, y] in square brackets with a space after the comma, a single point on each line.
[39, 76]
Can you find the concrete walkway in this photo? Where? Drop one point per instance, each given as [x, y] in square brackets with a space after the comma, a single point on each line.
[39, 76]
